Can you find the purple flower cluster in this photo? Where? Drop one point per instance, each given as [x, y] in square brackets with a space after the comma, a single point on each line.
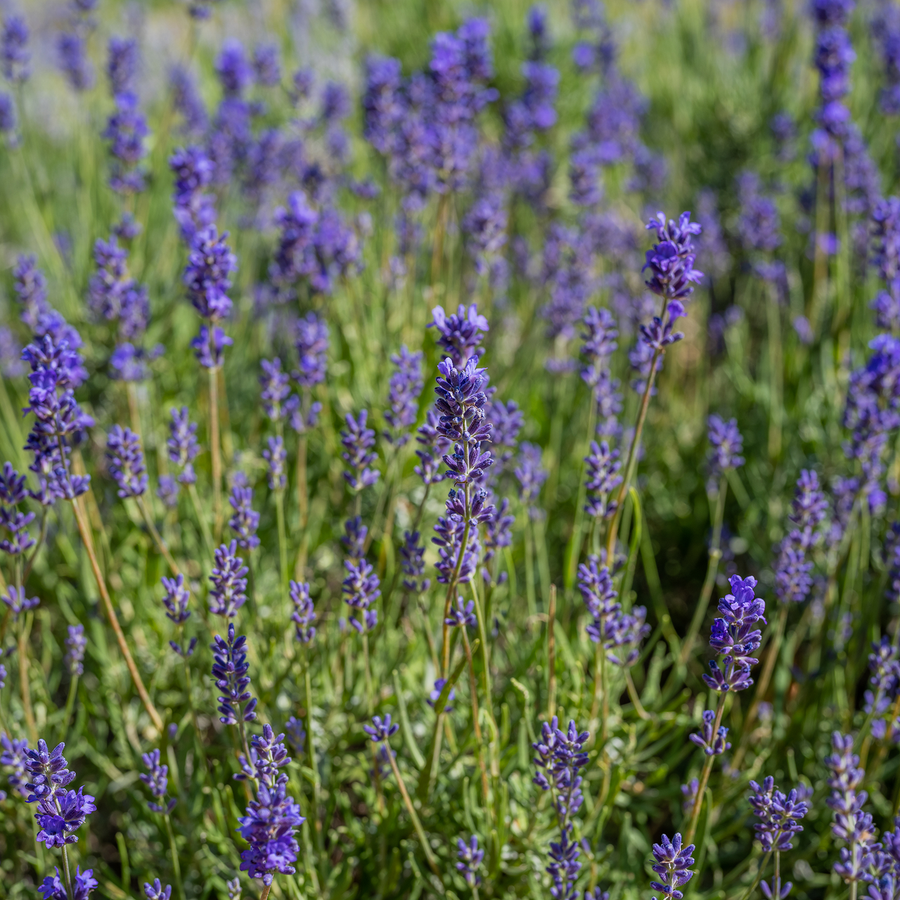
[672, 863]
[157, 780]
[726, 444]
[14, 53]
[56, 370]
[126, 131]
[778, 814]
[672, 275]
[460, 333]
[126, 462]
[620, 632]
[792, 568]
[559, 761]
[61, 812]
[229, 583]
[735, 636]
[304, 614]
[229, 671]
[602, 478]
[403, 397]
[13, 522]
[759, 227]
[886, 259]
[361, 588]
[851, 825]
[83, 883]
[470, 859]
[358, 440]
[76, 645]
[244, 520]
[711, 740]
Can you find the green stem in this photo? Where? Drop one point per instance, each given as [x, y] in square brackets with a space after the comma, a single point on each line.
[201, 520]
[426, 847]
[715, 554]
[176, 865]
[282, 539]
[70, 704]
[631, 463]
[704, 775]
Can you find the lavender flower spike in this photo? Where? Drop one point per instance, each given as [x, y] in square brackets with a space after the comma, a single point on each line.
[229, 671]
[126, 462]
[61, 812]
[381, 729]
[157, 780]
[229, 584]
[672, 863]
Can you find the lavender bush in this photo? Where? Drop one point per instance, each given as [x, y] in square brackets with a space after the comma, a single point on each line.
[396, 503]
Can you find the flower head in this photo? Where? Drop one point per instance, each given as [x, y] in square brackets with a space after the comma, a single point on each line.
[229, 672]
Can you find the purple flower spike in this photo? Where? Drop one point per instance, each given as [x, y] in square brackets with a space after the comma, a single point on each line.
[726, 445]
[403, 398]
[61, 812]
[673, 863]
[358, 441]
[176, 599]
[361, 588]
[156, 891]
[229, 672]
[460, 333]
[304, 614]
[157, 780]
[245, 521]
[126, 462]
[269, 827]
[276, 457]
[470, 858]
[736, 636]
[381, 730]
[17, 602]
[82, 885]
[227, 594]
[76, 643]
[713, 744]
[778, 814]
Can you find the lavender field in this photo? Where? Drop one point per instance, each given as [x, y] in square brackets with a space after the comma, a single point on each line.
[450, 449]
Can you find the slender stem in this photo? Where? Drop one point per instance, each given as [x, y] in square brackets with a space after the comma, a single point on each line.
[214, 443]
[310, 743]
[40, 542]
[759, 874]
[451, 588]
[176, 865]
[604, 677]
[763, 684]
[426, 847]
[479, 741]
[704, 775]
[632, 458]
[265, 894]
[635, 699]
[201, 520]
[88, 541]
[598, 684]
[551, 654]
[715, 554]
[24, 684]
[70, 704]
[157, 538]
[67, 873]
[282, 539]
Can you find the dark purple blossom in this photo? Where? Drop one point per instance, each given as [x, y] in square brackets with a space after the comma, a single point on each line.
[233, 68]
[358, 440]
[361, 588]
[207, 274]
[275, 385]
[470, 858]
[269, 827]
[229, 672]
[602, 478]
[276, 458]
[126, 130]
[83, 883]
[712, 742]
[244, 521]
[403, 397]
[672, 863]
[735, 636]
[61, 812]
[460, 333]
[121, 64]
[187, 101]
[182, 445]
[156, 891]
[227, 594]
[157, 780]
[381, 730]
[126, 462]
[176, 599]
